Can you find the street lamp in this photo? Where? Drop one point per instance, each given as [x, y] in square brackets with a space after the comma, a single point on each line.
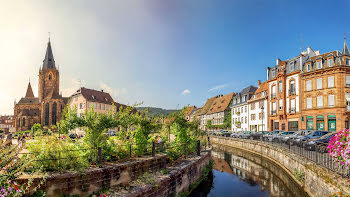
[262, 122]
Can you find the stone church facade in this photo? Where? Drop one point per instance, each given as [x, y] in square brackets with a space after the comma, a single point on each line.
[47, 108]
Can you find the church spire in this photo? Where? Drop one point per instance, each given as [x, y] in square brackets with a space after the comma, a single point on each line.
[29, 93]
[345, 47]
[49, 61]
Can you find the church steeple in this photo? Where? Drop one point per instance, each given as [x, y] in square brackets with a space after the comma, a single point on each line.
[49, 61]
[29, 93]
[345, 47]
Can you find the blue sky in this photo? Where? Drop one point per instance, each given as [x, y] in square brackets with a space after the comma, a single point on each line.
[163, 53]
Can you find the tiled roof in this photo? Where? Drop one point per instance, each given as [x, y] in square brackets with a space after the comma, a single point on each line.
[29, 93]
[29, 101]
[221, 103]
[189, 110]
[206, 106]
[95, 96]
[49, 61]
[263, 87]
[29, 112]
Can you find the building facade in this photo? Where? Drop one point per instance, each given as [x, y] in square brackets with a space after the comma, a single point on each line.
[258, 108]
[45, 109]
[284, 99]
[201, 113]
[219, 110]
[326, 91]
[240, 109]
[6, 124]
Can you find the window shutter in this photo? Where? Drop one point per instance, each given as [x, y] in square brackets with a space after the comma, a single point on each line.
[320, 101]
[331, 101]
[309, 103]
[331, 82]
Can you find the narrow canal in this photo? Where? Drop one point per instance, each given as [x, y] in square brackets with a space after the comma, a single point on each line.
[239, 173]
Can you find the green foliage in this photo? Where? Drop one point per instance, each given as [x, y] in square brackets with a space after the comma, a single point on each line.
[154, 112]
[52, 154]
[299, 175]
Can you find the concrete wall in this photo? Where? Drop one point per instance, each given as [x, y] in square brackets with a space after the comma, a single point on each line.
[319, 181]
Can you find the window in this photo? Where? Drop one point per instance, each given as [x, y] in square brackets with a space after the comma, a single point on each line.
[280, 86]
[319, 101]
[292, 87]
[292, 105]
[252, 106]
[319, 64]
[331, 101]
[246, 119]
[319, 83]
[331, 82]
[292, 66]
[246, 108]
[347, 80]
[308, 103]
[308, 67]
[252, 116]
[280, 104]
[330, 62]
[347, 61]
[308, 85]
[273, 73]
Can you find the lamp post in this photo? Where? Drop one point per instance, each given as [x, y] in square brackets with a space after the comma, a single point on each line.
[262, 121]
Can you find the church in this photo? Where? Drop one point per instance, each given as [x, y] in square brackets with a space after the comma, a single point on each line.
[47, 108]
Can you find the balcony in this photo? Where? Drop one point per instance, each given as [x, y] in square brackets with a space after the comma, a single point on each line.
[292, 110]
[292, 91]
[273, 95]
[273, 112]
[238, 113]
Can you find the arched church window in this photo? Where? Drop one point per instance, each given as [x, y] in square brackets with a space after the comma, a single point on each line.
[47, 113]
[19, 122]
[54, 113]
[50, 77]
[24, 122]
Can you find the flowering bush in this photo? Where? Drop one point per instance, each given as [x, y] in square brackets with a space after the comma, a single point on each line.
[339, 149]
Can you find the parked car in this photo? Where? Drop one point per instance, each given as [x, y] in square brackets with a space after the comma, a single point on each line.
[245, 134]
[271, 135]
[258, 135]
[226, 133]
[319, 143]
[279, 137]
[235, 134]
[299, 141]
[290, 138]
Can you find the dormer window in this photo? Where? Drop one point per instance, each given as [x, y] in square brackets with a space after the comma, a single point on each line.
[319, 64]
[292, 66]
[273, 73]
[93, 97]
[347, 61]
[308, 67]
[330, 62]
[106, 99]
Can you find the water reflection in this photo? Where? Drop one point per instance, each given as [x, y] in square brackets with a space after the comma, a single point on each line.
[239, 173]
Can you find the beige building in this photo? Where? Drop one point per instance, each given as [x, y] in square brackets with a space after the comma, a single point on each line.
[84, 99]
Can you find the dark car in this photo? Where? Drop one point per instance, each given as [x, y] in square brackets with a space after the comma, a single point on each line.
[271, 135]
[258, 135]
[319, 144]
[290, 138]
[279, 137]
[226, 133]
[313, 135]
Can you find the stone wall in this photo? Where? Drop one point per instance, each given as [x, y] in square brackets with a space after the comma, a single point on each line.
[94, 179]
[319, 181]
[179, 178]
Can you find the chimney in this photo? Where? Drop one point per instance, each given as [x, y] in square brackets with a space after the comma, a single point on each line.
[259, 82]
[278, 61]
[308, 50]
[101, 90]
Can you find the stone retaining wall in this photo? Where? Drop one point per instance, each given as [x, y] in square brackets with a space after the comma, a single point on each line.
[94, 179]
[179, 178]
[318, 181]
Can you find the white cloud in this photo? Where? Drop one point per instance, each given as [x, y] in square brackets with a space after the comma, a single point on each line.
[72, 87]
[118, 94]
[187, 91]
[218, 87]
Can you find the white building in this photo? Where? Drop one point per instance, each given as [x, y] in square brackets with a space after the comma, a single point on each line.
[240, 109]
[258, 107]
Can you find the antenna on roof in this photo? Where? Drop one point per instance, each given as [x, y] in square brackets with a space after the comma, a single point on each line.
[344, 36]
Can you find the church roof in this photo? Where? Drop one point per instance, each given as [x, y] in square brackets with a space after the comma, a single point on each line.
[29, 112]
[29, 93]
[29, 101]
[345, 49]
[49, 61]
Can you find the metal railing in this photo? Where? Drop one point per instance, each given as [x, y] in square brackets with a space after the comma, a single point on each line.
[317, 153]
[273, 112]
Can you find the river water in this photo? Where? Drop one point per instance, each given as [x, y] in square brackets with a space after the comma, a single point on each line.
[243, 174]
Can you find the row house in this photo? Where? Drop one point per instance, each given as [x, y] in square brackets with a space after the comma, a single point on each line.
[201, 112]
[240, 109]
[258, 108]
[220, 109]
[284, 100]
[326, 91]
[6, 124]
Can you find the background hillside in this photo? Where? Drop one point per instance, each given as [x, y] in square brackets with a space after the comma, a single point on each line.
[154, 111]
